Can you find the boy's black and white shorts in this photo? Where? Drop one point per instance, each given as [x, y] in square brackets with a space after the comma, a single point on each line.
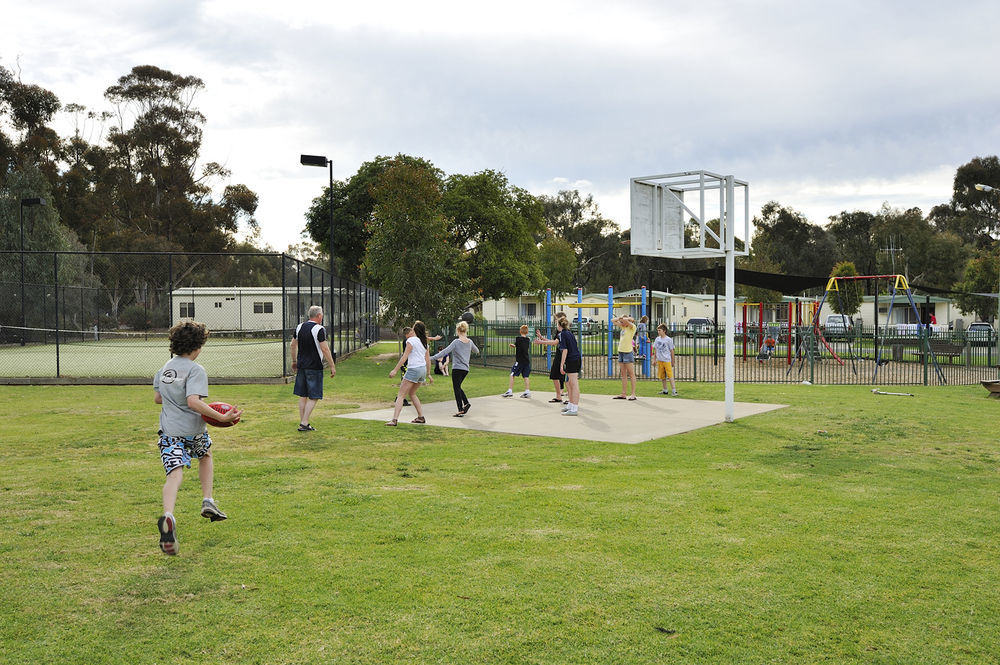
[520, 370]
[177, 451]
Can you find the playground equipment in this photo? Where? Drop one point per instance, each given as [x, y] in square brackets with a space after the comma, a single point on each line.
[611, 304]
[755, 331]
[899, 283]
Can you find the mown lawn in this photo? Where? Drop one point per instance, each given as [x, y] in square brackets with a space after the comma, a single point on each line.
[847, 528]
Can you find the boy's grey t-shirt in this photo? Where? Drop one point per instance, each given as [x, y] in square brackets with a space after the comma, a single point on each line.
[177, 379]
[664, 348]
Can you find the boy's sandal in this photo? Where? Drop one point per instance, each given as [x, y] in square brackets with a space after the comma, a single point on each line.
[390, 423]
[418, 420]
[554, 400]
[619, 397]
[632, 398]
[460, 414]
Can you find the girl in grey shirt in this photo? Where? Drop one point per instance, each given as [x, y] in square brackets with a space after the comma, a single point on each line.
[461, 349]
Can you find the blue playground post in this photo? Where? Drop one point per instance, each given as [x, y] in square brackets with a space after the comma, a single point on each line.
[611, 333]
[579, 314]
[644, 340]
[548, 322]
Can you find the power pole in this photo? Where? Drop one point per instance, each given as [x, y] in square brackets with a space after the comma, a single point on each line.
[892, 250]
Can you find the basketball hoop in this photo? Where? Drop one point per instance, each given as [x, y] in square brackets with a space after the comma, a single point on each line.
[659, 217]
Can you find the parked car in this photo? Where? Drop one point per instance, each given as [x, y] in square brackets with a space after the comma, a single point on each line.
[837, 325]
[583, 324]
[981, 333]
[699, 326]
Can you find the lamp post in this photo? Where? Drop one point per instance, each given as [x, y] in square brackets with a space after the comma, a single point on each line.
[987, 188]
[25, 203]
[321, 161]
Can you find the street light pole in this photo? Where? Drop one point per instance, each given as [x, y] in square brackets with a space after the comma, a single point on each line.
[321, 160]
[987, 188]
[25, 203]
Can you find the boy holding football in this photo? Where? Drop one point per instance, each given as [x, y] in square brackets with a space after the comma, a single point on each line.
[181, 386]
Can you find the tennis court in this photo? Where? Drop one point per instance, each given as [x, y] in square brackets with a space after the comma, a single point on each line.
[138, 355]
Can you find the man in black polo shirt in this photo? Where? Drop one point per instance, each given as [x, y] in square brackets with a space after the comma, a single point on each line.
[309, 348]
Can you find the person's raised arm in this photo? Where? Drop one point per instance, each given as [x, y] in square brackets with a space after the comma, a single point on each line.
[544, 340]
[402, 360]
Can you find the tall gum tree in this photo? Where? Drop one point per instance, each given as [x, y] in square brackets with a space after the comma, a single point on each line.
[411, 255]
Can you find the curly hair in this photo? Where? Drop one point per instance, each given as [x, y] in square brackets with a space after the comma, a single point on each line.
[187, 337]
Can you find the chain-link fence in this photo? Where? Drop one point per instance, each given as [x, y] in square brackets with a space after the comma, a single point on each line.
[861, 357]
[94, 314]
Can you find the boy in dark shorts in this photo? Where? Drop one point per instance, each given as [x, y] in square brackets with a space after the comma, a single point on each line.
[522, 364]
[181, 386]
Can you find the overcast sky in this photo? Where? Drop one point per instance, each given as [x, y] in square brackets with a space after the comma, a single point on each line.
[822, 107]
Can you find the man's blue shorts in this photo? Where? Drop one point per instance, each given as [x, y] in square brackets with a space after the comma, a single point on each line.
[517, 370]
[309, 383]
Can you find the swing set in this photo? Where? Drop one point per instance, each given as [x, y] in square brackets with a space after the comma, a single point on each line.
[756, 332]
[899, 284]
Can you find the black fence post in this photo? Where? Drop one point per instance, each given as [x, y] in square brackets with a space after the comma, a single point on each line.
[322, 294]
[170, 290]
[22, 290]
[715, 321]
[55, 274]
[284, 320]
[340, 318]
[875, 337]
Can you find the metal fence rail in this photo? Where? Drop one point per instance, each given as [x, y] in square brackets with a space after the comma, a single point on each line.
[105, 314]
[861, 358]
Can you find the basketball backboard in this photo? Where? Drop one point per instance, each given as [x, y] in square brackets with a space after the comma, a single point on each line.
[662, 207]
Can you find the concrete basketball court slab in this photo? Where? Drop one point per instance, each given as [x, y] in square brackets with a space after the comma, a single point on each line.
[601, 417]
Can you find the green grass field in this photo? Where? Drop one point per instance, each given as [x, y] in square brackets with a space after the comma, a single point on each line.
[847, 528]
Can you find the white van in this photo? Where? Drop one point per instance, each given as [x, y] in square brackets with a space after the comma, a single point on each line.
[837, 325]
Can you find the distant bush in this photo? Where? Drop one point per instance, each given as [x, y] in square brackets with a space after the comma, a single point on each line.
[136, 318]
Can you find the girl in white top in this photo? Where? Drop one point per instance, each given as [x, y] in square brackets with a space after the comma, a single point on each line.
[417, 360]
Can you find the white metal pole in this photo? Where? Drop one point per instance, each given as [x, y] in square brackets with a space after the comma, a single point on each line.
[730, 362]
